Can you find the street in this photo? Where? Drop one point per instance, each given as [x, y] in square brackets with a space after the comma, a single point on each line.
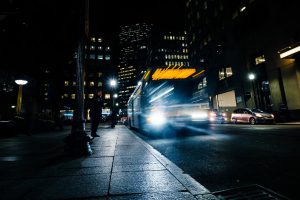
[226, 156]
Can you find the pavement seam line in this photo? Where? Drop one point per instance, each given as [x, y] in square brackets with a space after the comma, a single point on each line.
[194, 187]
[112, 166]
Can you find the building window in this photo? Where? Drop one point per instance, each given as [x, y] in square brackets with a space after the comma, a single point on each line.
[99, 39]
[107, 49]
[74, 83]
[92, 56]
[66, 83]
[100, 48]
[99, 74]
[204, 82]
[92, 47]
[107, 57]
[107, 96]
[200, 86]
[92, 83]
[93, 39]
[260, 59]
[228, 71]
[221, 74]
[225, 73]
[91, 96]
[100, 57]
[99, 84]
[73, 96]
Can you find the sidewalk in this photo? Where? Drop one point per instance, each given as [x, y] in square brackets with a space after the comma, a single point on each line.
[122, 166]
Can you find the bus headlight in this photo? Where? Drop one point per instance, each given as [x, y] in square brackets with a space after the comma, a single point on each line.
[157, 118]
[199, 115]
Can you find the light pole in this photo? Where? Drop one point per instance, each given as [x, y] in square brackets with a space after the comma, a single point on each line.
[113, 85]
[252, 77]
[20, 96]
[78, 141]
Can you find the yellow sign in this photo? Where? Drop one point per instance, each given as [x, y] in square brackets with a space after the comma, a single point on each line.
[168, 73]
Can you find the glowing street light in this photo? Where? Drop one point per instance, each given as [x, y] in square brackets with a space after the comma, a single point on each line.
[251, 76]
[113, 83]
[20, 82]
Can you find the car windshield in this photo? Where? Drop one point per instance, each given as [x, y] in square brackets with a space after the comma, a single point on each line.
[257, 110]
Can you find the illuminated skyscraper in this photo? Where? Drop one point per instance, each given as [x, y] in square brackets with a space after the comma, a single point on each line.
[134, 46]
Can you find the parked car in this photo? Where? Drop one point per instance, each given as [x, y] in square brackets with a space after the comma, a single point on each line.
[251, 116]
[218, 117]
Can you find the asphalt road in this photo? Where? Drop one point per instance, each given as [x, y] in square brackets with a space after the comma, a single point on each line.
[225, 156]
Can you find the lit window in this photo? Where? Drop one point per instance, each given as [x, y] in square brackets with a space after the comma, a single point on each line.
[92, 56]
[99, 74]
[66, 83]
[93, 39]
[99, 47]
[99, 84]
[260, 59]
[46, 93]
[225, 73]
[204, 82]
[100, 57]
[221, 74]
[84, 83]
[99, 39]
[73, 96]
[74, 83]
[92, 83]
[92, 47]
[91, 96]
[228, 71]
[107, 49]
[66, 95]
[107, 96]
[200, 85]
[107, 57]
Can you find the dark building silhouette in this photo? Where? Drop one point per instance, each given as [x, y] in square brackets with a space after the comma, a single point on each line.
[232, 39]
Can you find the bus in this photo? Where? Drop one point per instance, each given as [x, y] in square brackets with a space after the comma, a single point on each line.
[163, 100]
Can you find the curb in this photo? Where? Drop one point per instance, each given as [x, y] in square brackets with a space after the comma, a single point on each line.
[194, 187]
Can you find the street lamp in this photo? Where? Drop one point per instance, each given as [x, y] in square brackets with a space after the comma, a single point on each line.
[252, 77]
[20, 82]
[113, 84]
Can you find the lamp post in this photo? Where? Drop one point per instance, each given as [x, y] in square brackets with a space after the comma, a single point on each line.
[252, 77]
[78, 141]
[113, 84]
[20, 96]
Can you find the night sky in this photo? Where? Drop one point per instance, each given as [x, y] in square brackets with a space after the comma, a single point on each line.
[166, 14]
[44, 33]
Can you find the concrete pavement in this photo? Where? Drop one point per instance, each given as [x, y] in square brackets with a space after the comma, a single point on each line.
[122, 166]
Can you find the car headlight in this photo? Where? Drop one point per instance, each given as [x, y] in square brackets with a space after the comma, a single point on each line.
[157, 118]
[258, 115]
[199, 115]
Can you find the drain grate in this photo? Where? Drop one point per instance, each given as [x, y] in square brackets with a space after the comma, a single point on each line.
[252, 192]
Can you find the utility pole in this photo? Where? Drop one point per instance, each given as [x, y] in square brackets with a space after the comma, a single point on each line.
[79, 141]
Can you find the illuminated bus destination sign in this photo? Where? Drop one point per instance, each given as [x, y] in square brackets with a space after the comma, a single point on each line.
[172, 73]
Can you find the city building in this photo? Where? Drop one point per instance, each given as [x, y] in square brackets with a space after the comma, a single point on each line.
[168, 49]
[249, 51]
[134, 43]
[99, 69]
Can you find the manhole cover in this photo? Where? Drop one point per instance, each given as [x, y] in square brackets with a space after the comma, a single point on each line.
[252, 192]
